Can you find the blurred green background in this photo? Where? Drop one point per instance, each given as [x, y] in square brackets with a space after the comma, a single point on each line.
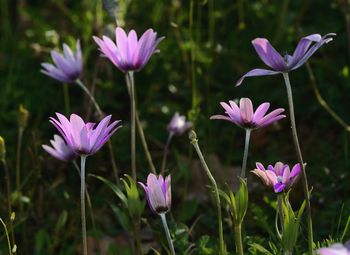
[206, 50]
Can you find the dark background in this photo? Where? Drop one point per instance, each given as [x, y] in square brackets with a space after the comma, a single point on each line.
[220, 42]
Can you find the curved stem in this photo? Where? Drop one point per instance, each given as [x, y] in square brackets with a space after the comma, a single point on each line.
[167, 233]
[194, 141]
[82, 201]
[300, 159]
[7, 236]
[101, 114]
[238, 239]
[165, 153]
[246, 149]
[92, 98]
[18, 159]
[8, 196]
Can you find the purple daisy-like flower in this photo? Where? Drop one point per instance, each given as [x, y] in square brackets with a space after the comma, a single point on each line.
[84, 138]
[245, 117]
[129, 53]
[307, 46]
[280, 177]
[60, 150]
[335, 249]
[67, 66]
[158, 193]
[178, 125]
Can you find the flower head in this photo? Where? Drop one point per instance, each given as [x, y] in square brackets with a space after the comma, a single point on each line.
[279, 176]
[129, 53]
[335, 249]
[178, 124]
[84, 138]
[158, 193]
[67, 66]
[307, 46]
[59, 150]
[245, 117]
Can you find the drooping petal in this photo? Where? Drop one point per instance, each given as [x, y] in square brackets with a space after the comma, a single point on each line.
[279, 187]
[256, 72]
[268, 54]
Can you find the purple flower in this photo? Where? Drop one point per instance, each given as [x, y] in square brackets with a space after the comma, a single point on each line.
[245, 117]
[129, 53]
[178, 125]
[279, 64]
[59, 150]
[158, 193]
[84, 138]
[335, 249]
[279, 176]
[67, 67]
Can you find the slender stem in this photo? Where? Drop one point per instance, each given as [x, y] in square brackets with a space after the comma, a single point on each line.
[18, 159]
[88, 199]
[279, 210]
[194, 141]
[238, 239]
[7, 236]
[66, 98]
[246, 149]
[140, 131]
[167, 233]
[300, 159]
[82, 200]
[165, 153]
[92, 98]
[130, 76]
[137, 233]
[101, 114]
[8, 196]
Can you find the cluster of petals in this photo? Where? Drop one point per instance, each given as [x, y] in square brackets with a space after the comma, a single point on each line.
[245, 117]
[59, 149]
[129, 53]
[279, 177]
[67, 66]
[335, 249]
[84, 138]
[306, 47]
[158, 193]
[178, 125]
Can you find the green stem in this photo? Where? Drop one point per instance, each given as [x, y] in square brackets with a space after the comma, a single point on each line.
[192, 54]
[18, 159]
[8, 196]
[66, 98]
[167, 233]
[137, 233]
[300, 159]
[88, 199]
[246, 150]
[238, 239]
[7, 236]
[92, 98]
[194, 141]
[165, 153]
[101, 114]
[130, 76]
[279, 210]
[82, 200]
[140, 131]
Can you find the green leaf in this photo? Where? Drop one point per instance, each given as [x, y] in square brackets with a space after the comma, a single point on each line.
[61, 220]
[242, 200]
[122, 217]
[115, 189]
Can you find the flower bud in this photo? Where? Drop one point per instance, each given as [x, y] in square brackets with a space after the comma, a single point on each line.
[23, 115]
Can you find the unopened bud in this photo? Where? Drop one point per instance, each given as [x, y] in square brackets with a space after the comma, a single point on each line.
[13, 216]
[192, 136]
[23, 115]
[2, 149]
